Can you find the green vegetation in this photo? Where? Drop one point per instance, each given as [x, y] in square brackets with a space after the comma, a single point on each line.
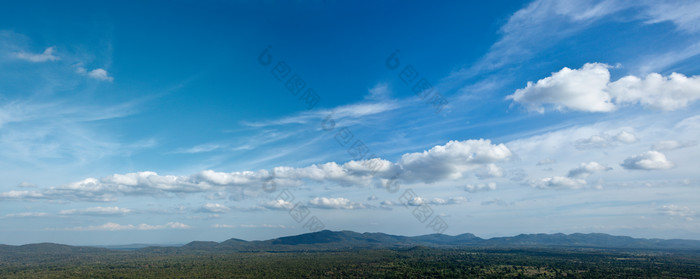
[416, 262]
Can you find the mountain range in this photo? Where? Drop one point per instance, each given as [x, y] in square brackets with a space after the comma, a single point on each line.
[327, 240]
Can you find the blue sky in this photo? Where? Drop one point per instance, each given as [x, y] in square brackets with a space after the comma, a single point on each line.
[165, 122]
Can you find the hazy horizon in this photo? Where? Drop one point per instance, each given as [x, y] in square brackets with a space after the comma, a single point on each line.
[169, 122]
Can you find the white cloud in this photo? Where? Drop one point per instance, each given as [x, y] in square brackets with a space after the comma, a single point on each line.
[655, 91]
[473, 188]
[47, 55]
[228, 226]
[21, 195]
[650, 160]
[100, 74]
[498, 202]
[604, 140]
[490, 171]
[214, 208]
[451, 160]
[278, 205]
[142, 227]
[387, 204]
[539, 25]
[379, 92]
[262, 226]
[578, 89]
[558, 182]
[223, 226]
[449, 201]
[26, 214]
[342, 116]
[675, 210]
[97, 211]
[589, 89]
[684, 14]
[416, 201]
[335, 203]
[542, 24]
[199, 149]
[26, 185]
[672, 145]
[625, 137]
[586, 169]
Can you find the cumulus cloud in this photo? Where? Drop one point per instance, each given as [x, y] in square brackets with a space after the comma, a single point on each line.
[589, 89]
[47, 55]
[442, 162]
[97, 211]
[586, 169]
[335, 203]
[129, 227]
[451, 160]
[604, 140]
[416, 201]
[473, 188]
[558, 182]
[278, 205]
[214, 208]
[98, 74]
[672, 145]
[575, 89]
[656, 91]
[650, 160]
[625, 137]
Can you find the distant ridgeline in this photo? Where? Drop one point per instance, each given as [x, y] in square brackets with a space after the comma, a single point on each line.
[343, 240]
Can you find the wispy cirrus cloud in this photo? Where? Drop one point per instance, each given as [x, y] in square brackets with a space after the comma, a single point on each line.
[677, 211]
[229, 226]
[27, 215]
[128, 227]
[97, 211]
[47, 55]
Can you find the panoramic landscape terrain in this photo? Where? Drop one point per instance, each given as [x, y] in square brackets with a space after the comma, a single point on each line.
[347, 254]
[350, 139]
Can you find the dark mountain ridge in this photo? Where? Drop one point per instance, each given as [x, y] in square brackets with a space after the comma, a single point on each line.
[344, 240]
